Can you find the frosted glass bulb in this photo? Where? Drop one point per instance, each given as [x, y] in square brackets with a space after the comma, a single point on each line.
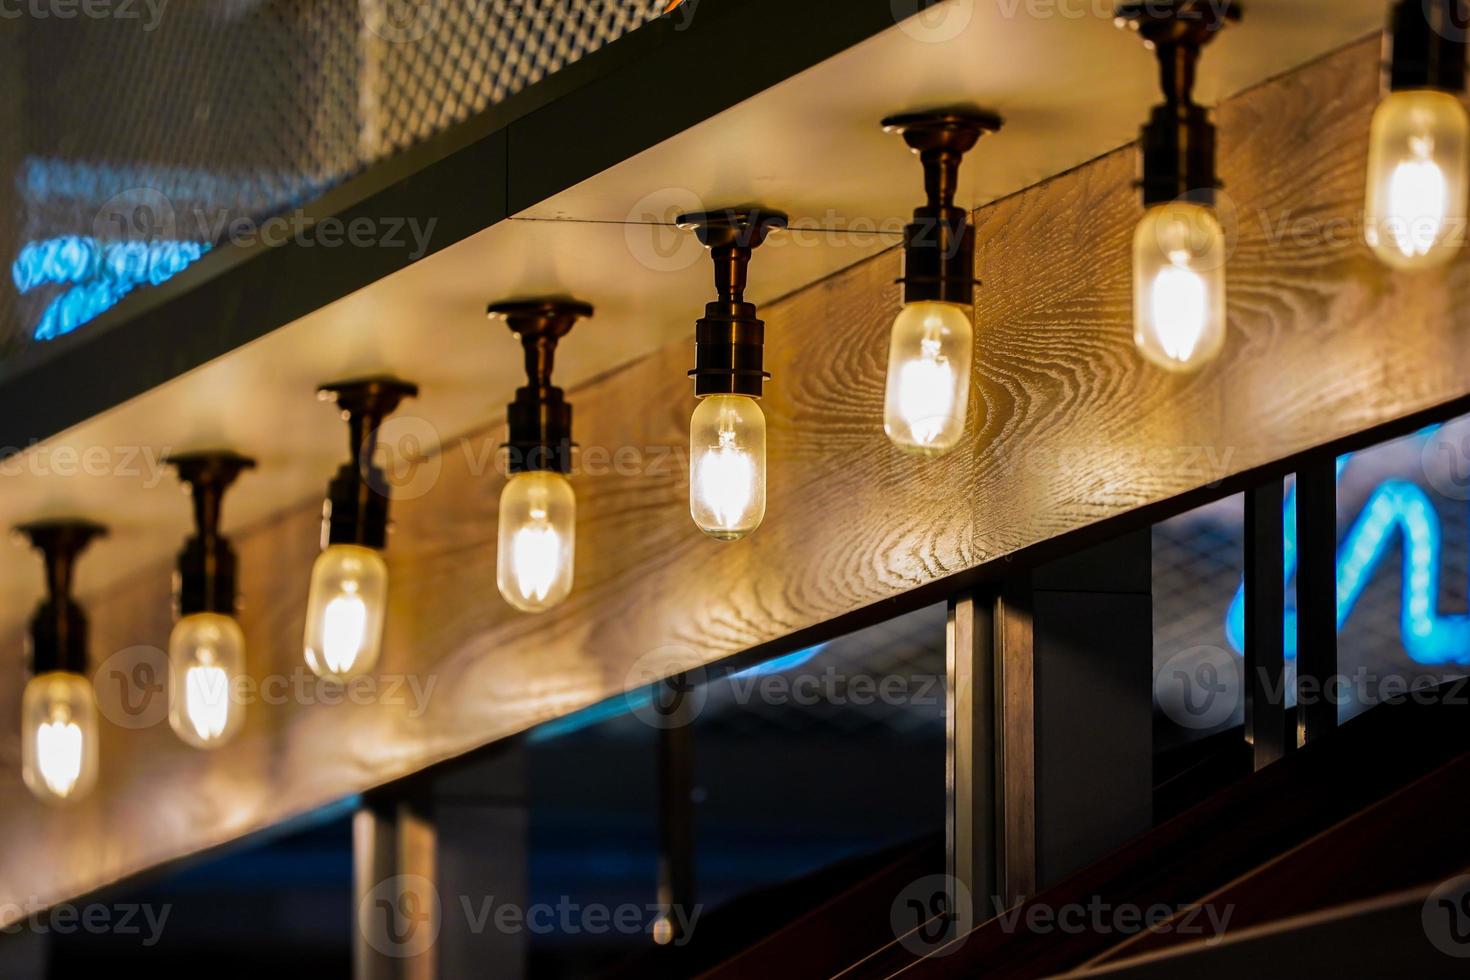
[1418, 165]
[538, 533]
[929, 377]
[59, 737]
[1179, 286]
[206, 656]
[727, 466]
[345, 612]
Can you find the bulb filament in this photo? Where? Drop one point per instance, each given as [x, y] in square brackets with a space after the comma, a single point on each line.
[1418, 199]
[1180, 307]
[206, 700]
[344, 627]
[59, 751]
[926, 388]
[537, 555]
[727, 477]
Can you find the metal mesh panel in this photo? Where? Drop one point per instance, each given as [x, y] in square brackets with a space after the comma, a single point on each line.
[499, 47]
[136, 135]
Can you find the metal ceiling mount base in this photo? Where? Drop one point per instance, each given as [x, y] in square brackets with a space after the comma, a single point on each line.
[943, 130]
[207, 566]
[539, 421]
[729, 340]
[59, 627]
[1190, 22]
[1178, 142]
[939, 244]
[743, 227]
[356, 509]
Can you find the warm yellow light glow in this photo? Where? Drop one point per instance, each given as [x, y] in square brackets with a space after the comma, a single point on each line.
[345, 612]
[206, 656]
[1418, 189]
[59, 754]
[1179, 286]
[344, 629]
[929, 377]
[727, 466]
[538, 517]
[206, 701]
[1179, 301]
[1418, 158]
[59, 737]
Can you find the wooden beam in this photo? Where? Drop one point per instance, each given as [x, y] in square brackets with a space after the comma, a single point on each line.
[1071, 435]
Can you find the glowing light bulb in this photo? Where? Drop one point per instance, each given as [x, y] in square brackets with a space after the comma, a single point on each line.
[727, 466]
[929, 377]
[1179, 286]
[206, 656]
[1418, 160]
[59, 737]
[345, 612]
[538, 516]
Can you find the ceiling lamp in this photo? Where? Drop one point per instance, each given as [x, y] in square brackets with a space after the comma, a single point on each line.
[1419, 149]
[206, 650]
[933, 338]
[58, 715]
[1179, 249]
[727, 433]
[349, 582]
[538, 510]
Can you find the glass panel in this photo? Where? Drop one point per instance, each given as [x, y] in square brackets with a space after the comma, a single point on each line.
[1403, 514]
[809, 772]
[823, 756]
[1198, 559]
[1401, 565]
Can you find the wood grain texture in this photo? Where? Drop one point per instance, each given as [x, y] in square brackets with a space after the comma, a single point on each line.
[1069, 428]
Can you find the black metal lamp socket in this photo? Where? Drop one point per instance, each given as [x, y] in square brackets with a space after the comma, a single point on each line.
[207, 568]
[1178, 142]
[729, 340]
[939, 245]
[539, 421]
[356, 508]
[1426, 45]
[59, 627]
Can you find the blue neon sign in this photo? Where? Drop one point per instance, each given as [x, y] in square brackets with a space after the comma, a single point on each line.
[1430, 637]
[98, 274]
